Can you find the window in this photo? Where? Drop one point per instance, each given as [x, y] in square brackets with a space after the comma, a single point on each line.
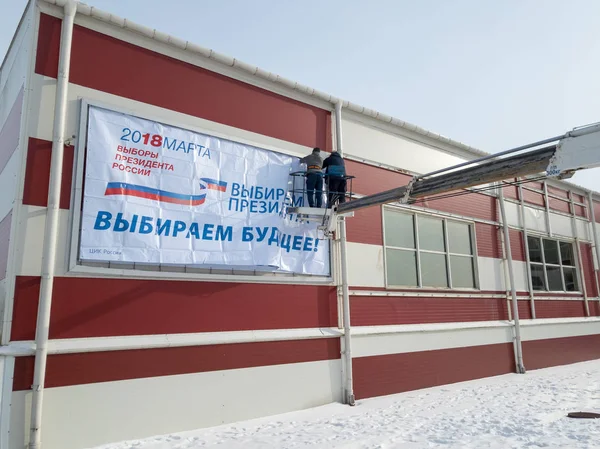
[426, 251]
[552, 265]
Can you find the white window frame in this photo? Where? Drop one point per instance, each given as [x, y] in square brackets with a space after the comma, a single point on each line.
[560, 265]
[418, 250]
[165, 272]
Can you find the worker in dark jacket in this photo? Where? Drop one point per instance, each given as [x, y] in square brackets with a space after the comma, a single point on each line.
[335, 169]
[314, 177]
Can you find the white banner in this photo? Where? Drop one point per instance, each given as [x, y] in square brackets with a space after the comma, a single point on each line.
[158, 194]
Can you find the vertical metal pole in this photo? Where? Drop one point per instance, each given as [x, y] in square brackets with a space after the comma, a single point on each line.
[529, 279]
[547, 207]
[52, 225]
[515, 306]
[579, 273]
[596, 255]
[345, 289]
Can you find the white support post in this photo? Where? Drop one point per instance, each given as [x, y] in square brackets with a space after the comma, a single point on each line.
[579, 273]
[525, 235]
[515, 305]
[344, 287]
[52, 224]
[547, 209]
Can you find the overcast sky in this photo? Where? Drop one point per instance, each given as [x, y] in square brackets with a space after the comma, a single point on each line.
[491, 74]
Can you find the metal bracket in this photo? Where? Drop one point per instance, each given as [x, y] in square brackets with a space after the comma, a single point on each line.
[409, 187]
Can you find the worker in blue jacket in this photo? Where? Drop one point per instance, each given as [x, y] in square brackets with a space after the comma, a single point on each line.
[335, 169]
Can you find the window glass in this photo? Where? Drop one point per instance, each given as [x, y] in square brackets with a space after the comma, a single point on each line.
[537, 277]
[551, 252]
[401, 267]
[566, 253]
[535, 252]
[399, 229]
[554, 278]
[570, 279]
[431, 234]
[433, 270]
[459, 238]
[462, 272]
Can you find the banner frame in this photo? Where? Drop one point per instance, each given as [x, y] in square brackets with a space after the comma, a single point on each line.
[76, 267]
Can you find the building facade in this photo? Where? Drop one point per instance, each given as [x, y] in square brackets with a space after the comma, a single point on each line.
[141, 349]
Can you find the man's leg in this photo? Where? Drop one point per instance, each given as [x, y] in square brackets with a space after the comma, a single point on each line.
[319, 191]
[310, 189]
[333, 190]
[342, 190]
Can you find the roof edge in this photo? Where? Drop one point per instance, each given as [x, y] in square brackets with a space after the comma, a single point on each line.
[152, 33]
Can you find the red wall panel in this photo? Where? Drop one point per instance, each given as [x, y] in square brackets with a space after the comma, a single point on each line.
[580, 211]
[97, 307]
[366, 226]
[588, 269]
[559, 205]
[4, 243]
[99, 61]
[559, 309]
[560, 351]
[511, 191]
[37, 174]
[93, 367]
[389, 310]
[475, 205]
[10, 130]
[389, 374]
[370, 179]
[488, 241]
[533, 197]
[597, 212]
[517, 244]
[558, 192]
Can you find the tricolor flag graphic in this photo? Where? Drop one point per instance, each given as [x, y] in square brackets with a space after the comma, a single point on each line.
[121, 188]
[213, 184]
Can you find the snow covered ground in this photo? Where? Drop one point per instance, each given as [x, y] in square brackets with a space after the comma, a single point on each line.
[510, 411]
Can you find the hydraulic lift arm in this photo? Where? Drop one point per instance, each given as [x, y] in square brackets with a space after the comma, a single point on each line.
[575, 150]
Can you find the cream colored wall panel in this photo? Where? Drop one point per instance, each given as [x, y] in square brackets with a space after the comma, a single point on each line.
[512, 214]
[365, 265]
[377, 145]
[561, 225]
[29, 247]
[89, 415]
[419, 340]
[491, 274]
[43, 95]
[8, 183]
[583, 229]
[535, 219]
[533, 330]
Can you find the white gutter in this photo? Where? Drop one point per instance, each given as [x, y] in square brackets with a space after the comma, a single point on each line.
[347, 352]
[513, 290]
[52, 224]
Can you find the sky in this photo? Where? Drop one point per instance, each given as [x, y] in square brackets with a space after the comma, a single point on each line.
[491, 74]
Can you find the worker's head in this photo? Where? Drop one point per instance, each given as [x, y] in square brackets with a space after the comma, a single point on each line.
[316, 150]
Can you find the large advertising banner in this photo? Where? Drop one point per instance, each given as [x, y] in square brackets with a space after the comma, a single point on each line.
[158, 194]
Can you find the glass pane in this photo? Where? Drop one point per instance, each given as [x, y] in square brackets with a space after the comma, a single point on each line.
[535, 252]
[571, 279]
[431, 234]
[537, 277]
[401, 267]
[566, 253]
[433, 270]
[551, 252]
[459, 238]
[399, 229]
[554, 279]
[462, 272]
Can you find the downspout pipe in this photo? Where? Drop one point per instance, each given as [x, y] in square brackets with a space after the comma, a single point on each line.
[348, 380]
[513, 290]
[52, 224]
[527, 260]
[595, 237]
